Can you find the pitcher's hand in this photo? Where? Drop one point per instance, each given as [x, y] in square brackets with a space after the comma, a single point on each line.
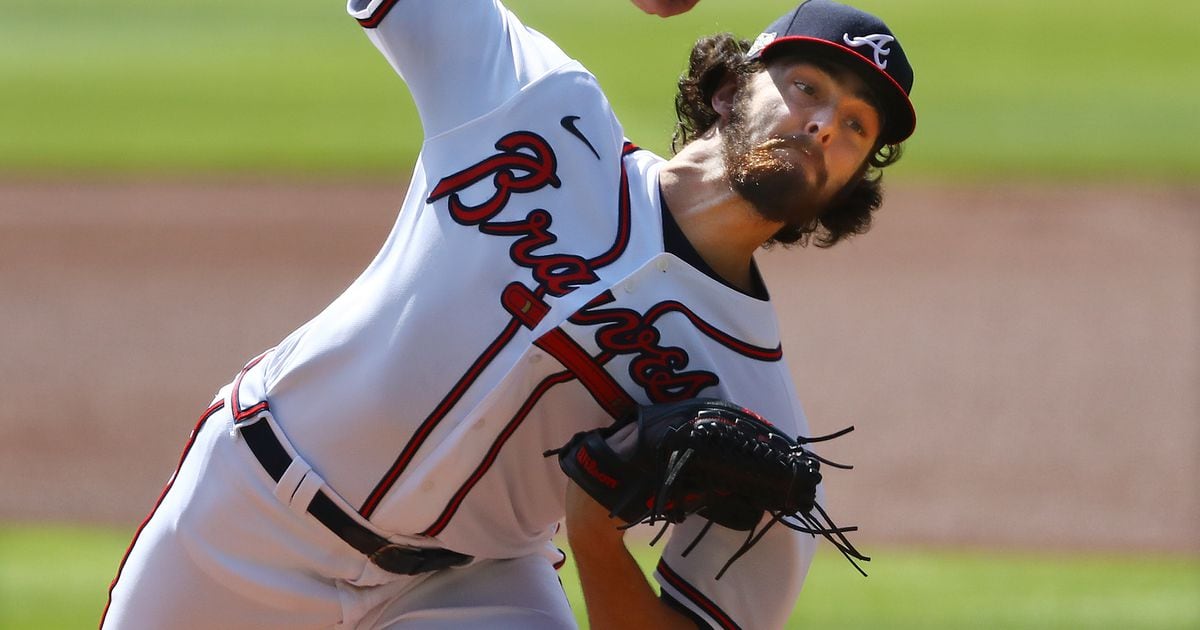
[665, 8]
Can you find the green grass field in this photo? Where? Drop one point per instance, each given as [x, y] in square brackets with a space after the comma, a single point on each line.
[1024, 88]
[57, 577]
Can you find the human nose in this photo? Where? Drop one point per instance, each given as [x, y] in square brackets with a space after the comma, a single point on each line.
[820, 126]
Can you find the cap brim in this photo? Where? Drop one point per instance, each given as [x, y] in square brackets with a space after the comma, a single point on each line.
[901, 116]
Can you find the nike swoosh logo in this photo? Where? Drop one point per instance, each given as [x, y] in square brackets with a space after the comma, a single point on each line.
[568, 123]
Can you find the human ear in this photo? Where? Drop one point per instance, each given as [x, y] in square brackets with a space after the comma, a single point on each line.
[723, 97]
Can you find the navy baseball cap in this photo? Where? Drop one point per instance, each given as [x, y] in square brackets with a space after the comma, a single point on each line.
[860, 39]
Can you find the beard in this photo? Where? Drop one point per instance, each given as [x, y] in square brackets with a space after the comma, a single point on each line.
[779, 189]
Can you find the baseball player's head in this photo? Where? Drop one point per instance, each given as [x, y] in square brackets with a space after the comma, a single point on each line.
[807, 115]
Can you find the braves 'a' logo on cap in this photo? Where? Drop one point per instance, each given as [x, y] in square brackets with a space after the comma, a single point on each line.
[878, 42]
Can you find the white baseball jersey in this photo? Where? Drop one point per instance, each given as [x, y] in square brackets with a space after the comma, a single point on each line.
[523, 295]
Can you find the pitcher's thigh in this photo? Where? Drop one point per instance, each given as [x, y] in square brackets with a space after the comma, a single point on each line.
[523, 593]
[162, 586]
[219, 552]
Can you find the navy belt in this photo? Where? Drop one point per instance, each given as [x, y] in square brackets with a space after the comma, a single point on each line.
[387, 555]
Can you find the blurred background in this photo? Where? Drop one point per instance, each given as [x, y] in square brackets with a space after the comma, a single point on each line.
[1017, 340]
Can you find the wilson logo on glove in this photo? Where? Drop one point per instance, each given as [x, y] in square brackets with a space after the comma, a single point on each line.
[588, 463]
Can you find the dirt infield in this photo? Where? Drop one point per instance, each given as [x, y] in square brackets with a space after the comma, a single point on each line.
[1022, 363]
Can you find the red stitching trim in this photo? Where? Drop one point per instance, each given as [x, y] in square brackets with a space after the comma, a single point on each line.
[490, 458]
[714, 333]
[623, 218]
[375, 18]
[214, 408]
[240, 414]
[427, 426]
[696, 597]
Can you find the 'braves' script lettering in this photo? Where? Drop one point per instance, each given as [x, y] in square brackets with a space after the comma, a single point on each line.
[525, 163]
[657, 369]
[537, 163]
[559, 273]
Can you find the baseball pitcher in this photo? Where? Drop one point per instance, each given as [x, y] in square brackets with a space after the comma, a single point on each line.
[560, 327]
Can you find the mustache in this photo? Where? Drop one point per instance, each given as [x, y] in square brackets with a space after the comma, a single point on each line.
[802, 144]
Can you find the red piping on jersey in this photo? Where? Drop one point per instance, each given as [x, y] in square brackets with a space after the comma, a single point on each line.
[696, 597]
[162, 495]
[587, 316]
[373, 20]
[623, 217]
[434, 418]
[240, 414]
[494, 451]
[528, 308]
[714, 333]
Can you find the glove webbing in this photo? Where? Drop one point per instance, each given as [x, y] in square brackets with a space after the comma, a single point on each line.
[820, 525]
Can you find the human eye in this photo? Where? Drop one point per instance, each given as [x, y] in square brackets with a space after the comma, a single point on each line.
[805, 87]
[861, 121]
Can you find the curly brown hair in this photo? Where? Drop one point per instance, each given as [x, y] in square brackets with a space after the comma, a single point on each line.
[718, 56]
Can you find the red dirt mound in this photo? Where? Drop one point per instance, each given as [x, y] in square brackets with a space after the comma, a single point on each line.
[1021, 363]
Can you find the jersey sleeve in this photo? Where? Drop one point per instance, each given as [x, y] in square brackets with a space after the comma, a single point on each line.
[758, 591]
[459, 58]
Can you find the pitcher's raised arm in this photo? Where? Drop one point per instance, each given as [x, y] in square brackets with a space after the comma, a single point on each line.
[460, 58]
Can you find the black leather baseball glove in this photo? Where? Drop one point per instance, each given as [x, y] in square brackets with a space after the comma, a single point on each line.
[707, 457]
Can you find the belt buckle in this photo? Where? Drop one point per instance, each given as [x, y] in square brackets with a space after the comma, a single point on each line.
[398, 559]
[414, 560]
